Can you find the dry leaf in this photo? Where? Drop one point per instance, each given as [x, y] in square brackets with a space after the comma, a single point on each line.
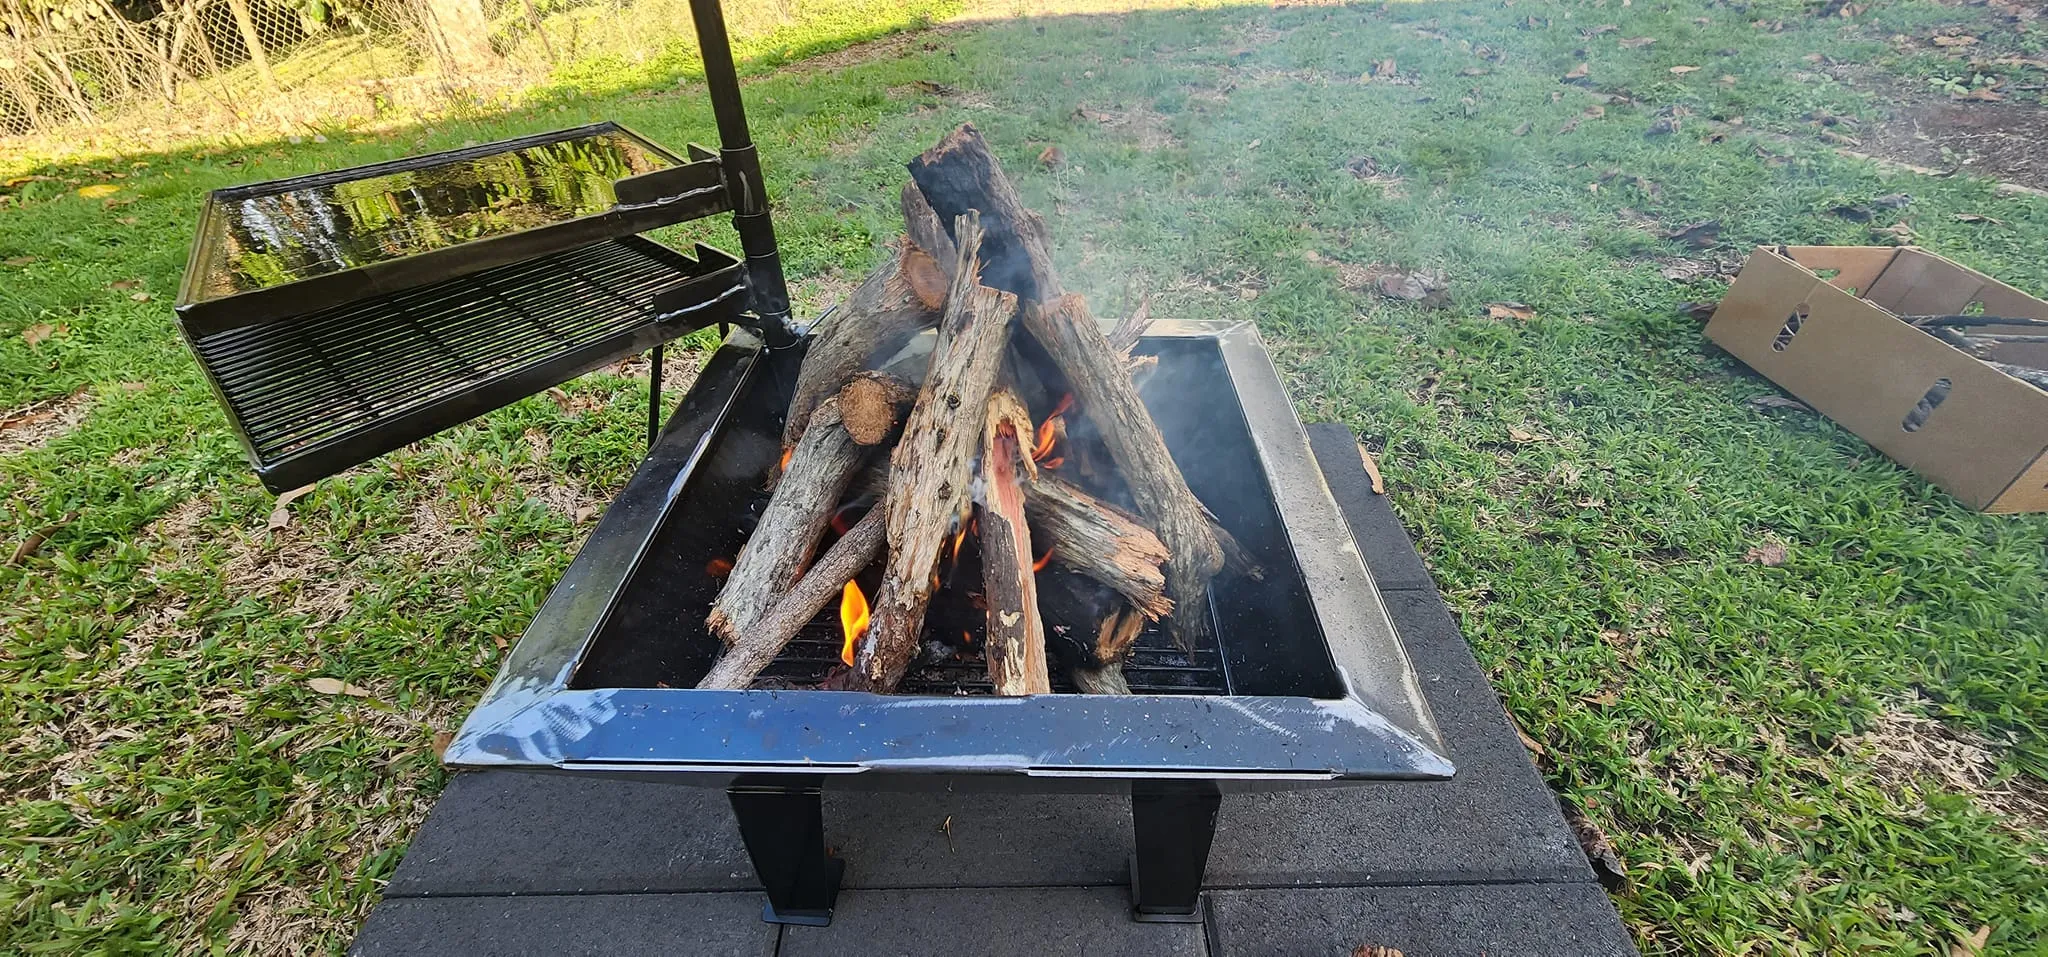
[125, 284]
[1683, 70]
[1596, 111]
[1372, 470]
[1535, 747]
[585, 513]
[22, 260]
[129, 220]
[1599, 30]
[35, 335]
[1578, 73]
[337, 686]
[1839, 139]
[1960, 40]
[98, 191]
[1727, 80]
[441, 741]
[139, 296]
[1051, 157]
[1698, 311]
[1412, 287]
[1779, 402]
[1474, 71]
[1521, 436]
[1374, 950]
[1899, 231]
[1509, 310]
[1630, 43]
[281, 513]
[1769, 554]
[35, 539]
[1978, 218]
[1599, 850]
[1980, 95]
[1384, 68]
[1687, 270]
[1971, 946]
[1698, 235]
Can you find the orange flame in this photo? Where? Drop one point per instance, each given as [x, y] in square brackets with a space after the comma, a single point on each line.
[1054, 462]
[1043, 441]
[853, 619]
[718, 567]
[1043, 560]
[786, 453]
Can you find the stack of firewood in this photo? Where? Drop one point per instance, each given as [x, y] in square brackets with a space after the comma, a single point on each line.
[1020, 426]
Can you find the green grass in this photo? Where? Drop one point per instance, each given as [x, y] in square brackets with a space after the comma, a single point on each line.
[1584, 485]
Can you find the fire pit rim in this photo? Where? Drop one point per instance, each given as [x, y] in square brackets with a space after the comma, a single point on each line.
[531, 717]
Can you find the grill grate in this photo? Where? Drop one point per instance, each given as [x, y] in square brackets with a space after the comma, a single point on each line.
[330, 389]
[1156, 665]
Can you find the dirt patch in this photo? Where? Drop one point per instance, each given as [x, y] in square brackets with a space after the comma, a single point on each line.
[38, 423]
[891, 47]
[1906, 749]
[1149, 128]
[2001, 141]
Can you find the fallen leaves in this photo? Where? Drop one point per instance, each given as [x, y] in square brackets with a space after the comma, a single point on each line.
[1683, 70]
[1374, 950]
[1978, 218]
[1982, 94]
[1896, 231]
[1698, 311]
[40, 333]
[1631, 43]
[98, 191]
[1051, 157]
[442, 739]
[1953, 41]
[1520, 312]
[334, 686]
[1687, 270]
[281, 512]
[1372, 469]
[1522, 436]
[18, 261]
[1423, 286]
[1578, 74]
[1971, 946]
[1384, 69]
[1769, 555]
[1600, 30]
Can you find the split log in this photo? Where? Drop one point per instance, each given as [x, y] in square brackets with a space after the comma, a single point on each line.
[1076, 611]
[1103, 386]
[1108, 679]
[871, 404]
[812, 485]
[755, 649]
[959, 174]
[927, 231]
[1117, 636]
[932, 467]
[1132, 328]
[874, 322]
[1015, 639]
[1100, 541]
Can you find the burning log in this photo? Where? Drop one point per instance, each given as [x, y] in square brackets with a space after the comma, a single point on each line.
[959, 174]
[1104, 387]
[813, 481]
[932, 467]
[1102, 542]
[1015, 646]
[927, 231]
[892, 305]
[834, 571]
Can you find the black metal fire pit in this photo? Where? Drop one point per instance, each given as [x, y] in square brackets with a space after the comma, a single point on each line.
[1306, 685]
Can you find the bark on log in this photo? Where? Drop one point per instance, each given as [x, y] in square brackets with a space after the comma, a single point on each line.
[932, 467]
[874, 322]
[1103, 386]
[755, 649]
[960, 174]
[811, 487]
[1100, 541]
[1015, 638]
[1108, 679]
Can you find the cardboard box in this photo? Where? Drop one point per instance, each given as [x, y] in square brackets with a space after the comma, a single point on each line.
[1823, 322]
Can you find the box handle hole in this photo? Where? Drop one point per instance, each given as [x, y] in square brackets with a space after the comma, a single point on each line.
[1936, 394]
[1792, 324]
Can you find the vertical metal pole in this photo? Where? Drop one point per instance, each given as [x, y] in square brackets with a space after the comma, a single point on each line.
[1175, 823]
[782, 823]
[654, 357]
[742, 166]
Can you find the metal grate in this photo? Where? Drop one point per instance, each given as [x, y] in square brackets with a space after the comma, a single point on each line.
[330, 389]
[1156, 666]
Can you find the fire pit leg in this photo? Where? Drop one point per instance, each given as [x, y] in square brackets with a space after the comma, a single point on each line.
[783, 824]
[1175, 823]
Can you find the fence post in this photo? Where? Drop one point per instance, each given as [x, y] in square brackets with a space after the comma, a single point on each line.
[250, 39]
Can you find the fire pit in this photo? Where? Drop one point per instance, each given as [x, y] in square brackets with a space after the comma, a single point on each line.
[1305, 683]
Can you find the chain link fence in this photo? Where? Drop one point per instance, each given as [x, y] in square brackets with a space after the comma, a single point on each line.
[209, 65]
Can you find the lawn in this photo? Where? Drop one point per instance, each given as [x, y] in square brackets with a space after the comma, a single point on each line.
[1845, 750]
